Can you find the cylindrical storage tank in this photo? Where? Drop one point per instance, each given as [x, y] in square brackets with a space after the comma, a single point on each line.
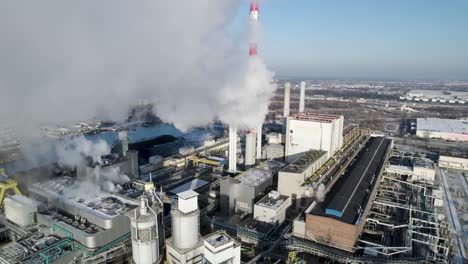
[185, 229]
[145, 246]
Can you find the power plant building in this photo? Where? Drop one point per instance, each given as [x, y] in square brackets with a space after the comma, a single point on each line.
[292, 177]
[237, 194]
[339, 219]
[306, 131]
[272, 208]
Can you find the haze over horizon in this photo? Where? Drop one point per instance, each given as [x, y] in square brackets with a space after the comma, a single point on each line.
[366, 39]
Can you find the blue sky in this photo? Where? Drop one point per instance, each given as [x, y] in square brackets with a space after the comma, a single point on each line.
[391, 39]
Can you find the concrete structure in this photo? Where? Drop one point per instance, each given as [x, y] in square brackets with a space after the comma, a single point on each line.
[302, 97]
[447, 129]
[259, 142]
[250, 148]
[185, 245]
[127, 165]
[274, 138]
[232, 149]
[339, 219]
[92, 220]
[273, 151]
[424, 170]
[272, 208]
[237, 194]
[220, 248]
[146, 229]
[287, 95]
[293, 176]
[306, 131]
[455, 163]
[20, 210]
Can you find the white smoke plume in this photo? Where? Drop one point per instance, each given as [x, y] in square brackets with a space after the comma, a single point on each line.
[73, 151]
[64, 61]
[320, 193]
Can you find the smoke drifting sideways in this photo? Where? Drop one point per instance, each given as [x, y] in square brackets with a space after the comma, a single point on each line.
[90, 181]
[66, 61]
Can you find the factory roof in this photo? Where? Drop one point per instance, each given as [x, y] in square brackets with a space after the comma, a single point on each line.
[314, 117]
[349, 196]
[218, 239]
[191, 185]
[187, 194]
[273, 200]
[300, 164]
[453, 126]
[424, 164]
[254, 177]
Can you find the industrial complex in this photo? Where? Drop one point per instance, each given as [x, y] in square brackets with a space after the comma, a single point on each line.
[304, 186]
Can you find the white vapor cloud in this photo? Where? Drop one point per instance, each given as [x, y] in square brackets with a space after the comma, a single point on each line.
[63, 61]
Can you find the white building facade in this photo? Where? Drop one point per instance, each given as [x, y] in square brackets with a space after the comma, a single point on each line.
[306, 131]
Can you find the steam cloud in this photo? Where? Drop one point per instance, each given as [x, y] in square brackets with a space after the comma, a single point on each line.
[64, 61]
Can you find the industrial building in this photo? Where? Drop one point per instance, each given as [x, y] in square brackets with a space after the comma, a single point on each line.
[447, 129]
[186, 243]
[93, 221]
[220, 248]
[292, 177]
[272, 208]
[237, 194]
[417, 169]
[273, 151]
[338, 220]
[455, 163]
[306, 131]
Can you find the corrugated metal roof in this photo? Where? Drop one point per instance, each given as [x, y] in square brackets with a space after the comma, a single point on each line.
[454, 126]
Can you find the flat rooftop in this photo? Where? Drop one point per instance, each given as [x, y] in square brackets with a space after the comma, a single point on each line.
[72, 192]
[218, 239]
[300, 164]
[424, 164]
[254, 177]
[349, 196]
[272, 200]
[453, 126]
[315, 117]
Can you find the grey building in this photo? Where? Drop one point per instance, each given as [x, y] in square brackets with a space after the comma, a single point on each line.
[237, 194]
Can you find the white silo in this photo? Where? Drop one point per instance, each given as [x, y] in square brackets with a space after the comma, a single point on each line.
[302, 97]
[186, 244]
[145, 230]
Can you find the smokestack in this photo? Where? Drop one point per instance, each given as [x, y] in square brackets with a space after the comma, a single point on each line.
[302, 97]
[250, 139]
[287, 93]
[259, 141]
[123, 141]
[232, 149]
[253, 19]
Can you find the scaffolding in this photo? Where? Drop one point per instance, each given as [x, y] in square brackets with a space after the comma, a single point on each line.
[404, 222]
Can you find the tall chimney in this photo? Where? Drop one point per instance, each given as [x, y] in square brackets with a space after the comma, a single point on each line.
[232, 149]
[302, 97]
[259, 141]
[287, 93]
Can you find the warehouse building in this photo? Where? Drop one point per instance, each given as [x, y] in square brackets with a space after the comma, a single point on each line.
[272, 208]
[447, 129]
[306, 131]
[237, 194]
[456, 163]
[338, 220]
[293, 176]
